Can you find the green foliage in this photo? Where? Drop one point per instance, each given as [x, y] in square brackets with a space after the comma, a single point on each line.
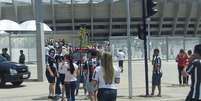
[83, 37]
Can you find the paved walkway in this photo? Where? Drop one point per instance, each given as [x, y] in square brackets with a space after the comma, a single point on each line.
[37, 91]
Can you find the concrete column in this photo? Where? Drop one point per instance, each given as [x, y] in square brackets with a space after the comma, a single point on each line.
[92, 21]
[110, 15]
[53, 17]
[188, 15]
[0, 12]
[161, 15]
[198, 18]
[176, 11]
[39, 40]
[15, 10]
[73, 16]
[33, 8]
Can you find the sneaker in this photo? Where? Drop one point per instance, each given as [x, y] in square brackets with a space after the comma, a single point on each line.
[152, 94]
[50, 97]
[159, 95]
[56, 97]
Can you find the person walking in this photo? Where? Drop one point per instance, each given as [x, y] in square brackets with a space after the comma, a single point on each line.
[189, 53]
[120, 58]
[89, 67]
[22, 57]
[157, 73]
[181, 60]
[106, 76]
[194, 70]
[71, 79]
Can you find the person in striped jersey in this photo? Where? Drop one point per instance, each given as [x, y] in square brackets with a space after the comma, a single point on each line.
[194, 69]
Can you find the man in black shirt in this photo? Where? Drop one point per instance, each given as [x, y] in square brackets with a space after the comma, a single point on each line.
[194, 69]
[22, 57]
[5, 54]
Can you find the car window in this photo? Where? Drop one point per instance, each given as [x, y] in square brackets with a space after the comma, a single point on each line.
[2, 59]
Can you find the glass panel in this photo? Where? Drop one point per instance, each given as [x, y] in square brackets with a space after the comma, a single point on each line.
[47, 1]
[97, 1]
[27, 43]
[6, 1]
[137, 49]
[22, 2]
[18, 43]
[77, 1]
[159, 43]
[116, 45]
[174, 45]
[190, 43]
[4, 42]
[62, 1]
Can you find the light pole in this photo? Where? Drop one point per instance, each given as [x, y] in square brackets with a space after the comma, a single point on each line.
[145, 47]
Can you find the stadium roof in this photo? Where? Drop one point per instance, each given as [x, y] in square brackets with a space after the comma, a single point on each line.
[28, 2]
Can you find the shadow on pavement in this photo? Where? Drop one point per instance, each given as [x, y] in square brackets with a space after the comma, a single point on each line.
[44, 98]
[177, 85]
[11, 86]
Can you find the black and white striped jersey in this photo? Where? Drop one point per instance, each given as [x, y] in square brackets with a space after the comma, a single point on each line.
[194, 69]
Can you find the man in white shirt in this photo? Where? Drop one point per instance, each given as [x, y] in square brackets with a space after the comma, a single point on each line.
[120, 58]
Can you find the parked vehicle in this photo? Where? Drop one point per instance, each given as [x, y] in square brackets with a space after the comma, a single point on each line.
[12, 72]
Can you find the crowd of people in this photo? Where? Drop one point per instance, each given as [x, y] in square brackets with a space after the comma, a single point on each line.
[100, 77]
[96, 71]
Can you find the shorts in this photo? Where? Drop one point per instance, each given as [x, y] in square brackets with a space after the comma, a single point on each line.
[121, 63]
[62, 77]
[50, 79]
[156, 79]
[90, 87]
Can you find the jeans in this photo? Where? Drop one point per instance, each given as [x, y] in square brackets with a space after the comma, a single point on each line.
[180, 69]
[70, 90]
[105, 94]
[58, 88]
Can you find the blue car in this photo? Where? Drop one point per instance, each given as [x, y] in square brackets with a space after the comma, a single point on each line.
[12, 72]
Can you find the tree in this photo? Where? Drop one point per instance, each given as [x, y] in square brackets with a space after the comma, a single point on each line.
[83, 37]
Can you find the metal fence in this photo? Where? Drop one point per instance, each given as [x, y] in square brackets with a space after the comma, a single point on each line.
[17, 42]
[168, 46]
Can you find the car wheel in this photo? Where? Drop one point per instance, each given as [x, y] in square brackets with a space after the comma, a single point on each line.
[17, 83]
[2, 81]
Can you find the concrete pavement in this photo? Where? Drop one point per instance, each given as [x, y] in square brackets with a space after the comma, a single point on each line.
[171, 91]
